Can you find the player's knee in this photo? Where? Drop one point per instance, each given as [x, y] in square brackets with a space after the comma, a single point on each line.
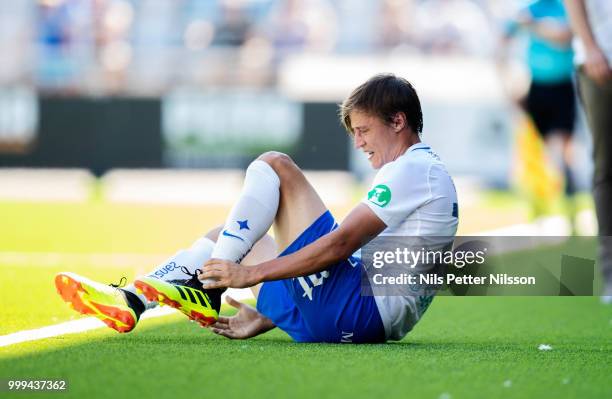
[281, 163]
[213, 234]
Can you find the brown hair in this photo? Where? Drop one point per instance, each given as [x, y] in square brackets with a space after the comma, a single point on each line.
[384, 95]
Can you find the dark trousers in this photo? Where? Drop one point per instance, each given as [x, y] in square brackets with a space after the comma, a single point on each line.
[597, 101]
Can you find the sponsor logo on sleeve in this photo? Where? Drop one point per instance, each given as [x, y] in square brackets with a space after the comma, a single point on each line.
[380, 195]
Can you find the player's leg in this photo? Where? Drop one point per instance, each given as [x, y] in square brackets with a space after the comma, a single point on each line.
[276, 294]
[567, 149]
[264, 250]
[183, 291]
[299, 204]
[597, 100]
[562, 120]
[568, 162]
[121, 307]
[325, 306]
[273, 185]
[275, 192]
[118, 309]
[328, 302]
[560, 150]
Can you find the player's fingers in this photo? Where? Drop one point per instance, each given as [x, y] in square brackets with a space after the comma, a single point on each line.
[212, 284]
[220, 326]
[208, 266]
[214, 264]
[217, 269]
[232, 302]
[221, 321]
[209, 273]
[226, 333]
[211, 261]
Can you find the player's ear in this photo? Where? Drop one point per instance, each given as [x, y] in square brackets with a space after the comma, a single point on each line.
[399, 122]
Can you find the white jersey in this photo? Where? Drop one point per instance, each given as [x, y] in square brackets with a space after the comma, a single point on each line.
[415, 196]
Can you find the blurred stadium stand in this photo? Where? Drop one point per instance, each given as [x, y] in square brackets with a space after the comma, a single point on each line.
[209, 84]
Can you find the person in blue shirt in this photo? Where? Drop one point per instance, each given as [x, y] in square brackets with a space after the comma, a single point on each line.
[551, 100]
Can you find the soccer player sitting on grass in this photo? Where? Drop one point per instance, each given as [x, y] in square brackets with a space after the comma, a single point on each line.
[312, 290]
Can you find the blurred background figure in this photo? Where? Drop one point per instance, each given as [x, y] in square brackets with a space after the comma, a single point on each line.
[58, 38]
[113, 23]
[550, 101]
[298, 26]
[233, 27]
[396, 26]
[232, 30]
[592, 24]
[453, 26]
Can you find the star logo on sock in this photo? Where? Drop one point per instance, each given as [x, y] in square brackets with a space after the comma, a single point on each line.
[244, 224]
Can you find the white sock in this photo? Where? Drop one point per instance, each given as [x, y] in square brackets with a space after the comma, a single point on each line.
[192, 258]
[252, 215]
[147, 304]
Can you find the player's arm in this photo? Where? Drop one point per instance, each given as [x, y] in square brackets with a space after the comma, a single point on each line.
[357, 229]
[595, 65]
[579, 22]
[360, 226]
[553, 31]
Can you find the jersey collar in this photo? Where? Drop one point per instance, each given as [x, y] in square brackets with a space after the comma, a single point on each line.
[414, 147]
[418, 146]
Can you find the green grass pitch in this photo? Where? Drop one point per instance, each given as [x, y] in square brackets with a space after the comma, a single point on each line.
[464, 347]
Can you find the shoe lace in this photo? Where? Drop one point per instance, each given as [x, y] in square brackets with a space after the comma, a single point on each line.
[193, 275]
[194, 280]
[137, 306]
[121, 284]
[214, 295]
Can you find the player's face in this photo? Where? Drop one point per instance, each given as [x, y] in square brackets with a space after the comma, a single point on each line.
[375, 138]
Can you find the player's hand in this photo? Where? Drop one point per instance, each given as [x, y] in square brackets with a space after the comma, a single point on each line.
[218, 273]
[247, 323]
[596, 65]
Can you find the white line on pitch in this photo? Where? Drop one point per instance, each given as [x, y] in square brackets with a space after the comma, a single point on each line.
[91, 323]
[70, 327]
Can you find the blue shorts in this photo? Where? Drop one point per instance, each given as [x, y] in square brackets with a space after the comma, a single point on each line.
[326, 306]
